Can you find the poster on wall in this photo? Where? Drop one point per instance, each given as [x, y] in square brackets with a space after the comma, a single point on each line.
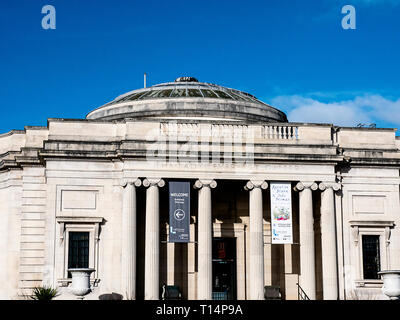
[281, 212]
[179, 211]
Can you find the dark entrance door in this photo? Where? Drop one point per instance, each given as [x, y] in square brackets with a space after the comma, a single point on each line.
[224, 269]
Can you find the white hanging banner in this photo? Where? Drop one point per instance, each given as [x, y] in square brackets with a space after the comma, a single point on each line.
[281, 212]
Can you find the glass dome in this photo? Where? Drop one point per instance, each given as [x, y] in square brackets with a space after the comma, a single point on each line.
[186, 89]
[179, 89]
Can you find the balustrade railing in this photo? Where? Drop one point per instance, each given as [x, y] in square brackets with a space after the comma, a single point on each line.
[281, 132]
[267, 132]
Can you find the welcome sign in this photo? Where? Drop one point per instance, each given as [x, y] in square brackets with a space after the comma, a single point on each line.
[281, 212]
[179, 211]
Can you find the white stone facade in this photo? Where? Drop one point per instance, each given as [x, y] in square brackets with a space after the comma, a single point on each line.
[94, 176]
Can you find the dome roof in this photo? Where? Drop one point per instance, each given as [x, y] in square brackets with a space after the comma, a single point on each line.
[190, 99]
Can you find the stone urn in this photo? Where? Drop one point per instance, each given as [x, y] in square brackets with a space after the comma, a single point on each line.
[81, 281]
[391, 283]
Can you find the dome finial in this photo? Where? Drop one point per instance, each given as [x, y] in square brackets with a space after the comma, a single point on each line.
[186, 79]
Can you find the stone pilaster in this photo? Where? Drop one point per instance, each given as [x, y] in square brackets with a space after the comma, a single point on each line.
[204, 274]
[152, 239]
[256, 238]
[307, 244]
[128, 273]
[328, 240]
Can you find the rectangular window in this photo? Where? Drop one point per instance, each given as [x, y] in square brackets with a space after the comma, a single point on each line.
[78, 250]
[371, 256]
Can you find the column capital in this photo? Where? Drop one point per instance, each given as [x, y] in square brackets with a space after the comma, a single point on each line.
[134, 181]
[148, 182]
[205, 183]
[306, 185]
[251, 184]
[334, 185]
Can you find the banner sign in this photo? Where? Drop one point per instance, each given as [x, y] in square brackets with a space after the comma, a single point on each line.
[179, 211]
[281, 212]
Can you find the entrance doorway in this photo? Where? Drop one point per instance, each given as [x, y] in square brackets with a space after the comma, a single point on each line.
[224, 269]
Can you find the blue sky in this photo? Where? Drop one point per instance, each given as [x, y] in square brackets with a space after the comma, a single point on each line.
[293, 54]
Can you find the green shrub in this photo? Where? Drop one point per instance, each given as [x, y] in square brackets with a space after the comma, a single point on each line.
[44, 293]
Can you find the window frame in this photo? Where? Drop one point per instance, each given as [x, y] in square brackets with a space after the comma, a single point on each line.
[362, 254]
[68, 238]
[375, 228]
[90, 225]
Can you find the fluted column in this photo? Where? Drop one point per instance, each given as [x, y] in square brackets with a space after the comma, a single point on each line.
[152, 240]
[129, 238]
[307, 245]
[328, 241]
[204, 275]
[256, 238]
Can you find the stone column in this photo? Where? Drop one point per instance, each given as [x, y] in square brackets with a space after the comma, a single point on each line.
[256, 239]
[152, 240]
[204, 247]
[307, 245]
[128, 273]
[328, 241]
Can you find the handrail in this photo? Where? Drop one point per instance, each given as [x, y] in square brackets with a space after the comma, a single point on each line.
[301, 295]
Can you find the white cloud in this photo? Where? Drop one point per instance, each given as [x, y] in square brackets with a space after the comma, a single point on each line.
[361, 109]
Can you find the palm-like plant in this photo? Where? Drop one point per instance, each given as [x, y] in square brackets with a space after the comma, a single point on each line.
[44, 293]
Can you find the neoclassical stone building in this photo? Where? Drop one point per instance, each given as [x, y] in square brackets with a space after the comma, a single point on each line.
[94, 193]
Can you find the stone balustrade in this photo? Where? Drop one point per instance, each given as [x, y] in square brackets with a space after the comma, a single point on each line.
[281, 132]
[269, 132]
